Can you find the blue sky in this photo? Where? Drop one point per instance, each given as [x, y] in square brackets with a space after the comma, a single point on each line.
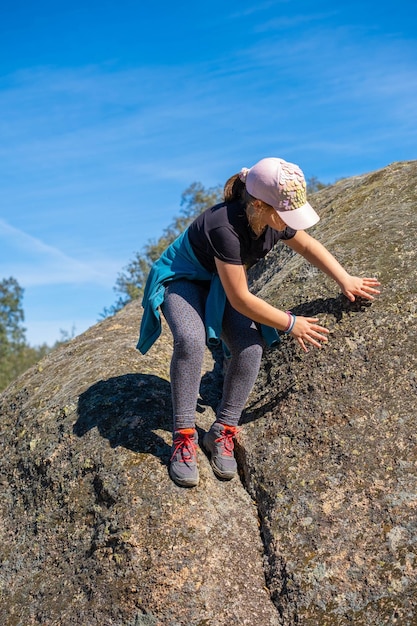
[110, 110]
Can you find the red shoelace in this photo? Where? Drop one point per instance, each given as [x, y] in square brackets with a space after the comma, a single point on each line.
[226, 440]
[185, 443]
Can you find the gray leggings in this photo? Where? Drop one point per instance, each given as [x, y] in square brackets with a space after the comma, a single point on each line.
[183, 308]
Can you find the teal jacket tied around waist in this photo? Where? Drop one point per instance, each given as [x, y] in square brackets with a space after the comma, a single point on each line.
[179, 261]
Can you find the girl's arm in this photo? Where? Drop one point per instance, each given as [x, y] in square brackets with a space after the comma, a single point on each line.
[234, 281]
[314, 252]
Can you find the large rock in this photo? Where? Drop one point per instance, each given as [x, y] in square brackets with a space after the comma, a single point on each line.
[92, 529]
[321, 529]
[329, 444]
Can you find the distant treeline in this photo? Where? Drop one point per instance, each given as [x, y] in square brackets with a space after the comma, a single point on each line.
[16, 355]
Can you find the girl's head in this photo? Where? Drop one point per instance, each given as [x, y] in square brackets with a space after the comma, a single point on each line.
[259, 213]
[277, 184]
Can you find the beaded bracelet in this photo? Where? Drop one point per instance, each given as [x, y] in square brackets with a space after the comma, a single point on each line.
[291, 322]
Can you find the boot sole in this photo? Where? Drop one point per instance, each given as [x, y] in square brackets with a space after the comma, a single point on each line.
[219, 473]
[183, 482]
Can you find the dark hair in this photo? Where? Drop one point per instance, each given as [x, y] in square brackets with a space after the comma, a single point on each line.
[234, 190]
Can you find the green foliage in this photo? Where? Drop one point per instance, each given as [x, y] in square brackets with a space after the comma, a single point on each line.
[131, 282]
[11, 314]
[313, 185]
[15, 355]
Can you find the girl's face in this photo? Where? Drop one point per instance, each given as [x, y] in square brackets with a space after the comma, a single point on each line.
[274, 221]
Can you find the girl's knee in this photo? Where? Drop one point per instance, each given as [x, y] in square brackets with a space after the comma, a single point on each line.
[253, 349]
[189, 345]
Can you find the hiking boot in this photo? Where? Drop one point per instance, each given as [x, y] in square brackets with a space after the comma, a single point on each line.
[183, 467]
[218, 442]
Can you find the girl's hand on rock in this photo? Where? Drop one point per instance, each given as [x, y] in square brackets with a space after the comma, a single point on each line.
[362, 287]
[306, 329]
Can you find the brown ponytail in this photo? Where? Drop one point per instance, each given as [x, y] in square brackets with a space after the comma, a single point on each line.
[234, 190]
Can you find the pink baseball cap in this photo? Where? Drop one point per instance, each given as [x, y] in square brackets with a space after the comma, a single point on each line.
[281, 185]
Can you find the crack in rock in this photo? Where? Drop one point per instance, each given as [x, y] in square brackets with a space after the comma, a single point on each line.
[282, 587]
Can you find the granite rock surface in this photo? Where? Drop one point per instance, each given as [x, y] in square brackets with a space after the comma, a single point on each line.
[320, 527]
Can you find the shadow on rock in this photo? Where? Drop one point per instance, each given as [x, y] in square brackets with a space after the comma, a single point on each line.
[279, 371]
[212, 382]
[127, 410]
[334, 306]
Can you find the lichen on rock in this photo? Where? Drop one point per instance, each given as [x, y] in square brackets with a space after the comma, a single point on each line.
[321, 527]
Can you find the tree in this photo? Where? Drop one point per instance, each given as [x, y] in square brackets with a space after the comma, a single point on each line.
[313, 185]
[130, 283]
[15, 355]
[12, 332]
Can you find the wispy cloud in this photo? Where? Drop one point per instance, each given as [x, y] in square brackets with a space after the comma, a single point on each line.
[258, 7]
[73, 138]
[102, 118]
[293, 20]
[35, 263]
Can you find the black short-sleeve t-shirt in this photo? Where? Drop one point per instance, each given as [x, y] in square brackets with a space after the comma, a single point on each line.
[223, 232]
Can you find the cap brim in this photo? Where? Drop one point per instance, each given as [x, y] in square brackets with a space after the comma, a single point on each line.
[300, 219]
